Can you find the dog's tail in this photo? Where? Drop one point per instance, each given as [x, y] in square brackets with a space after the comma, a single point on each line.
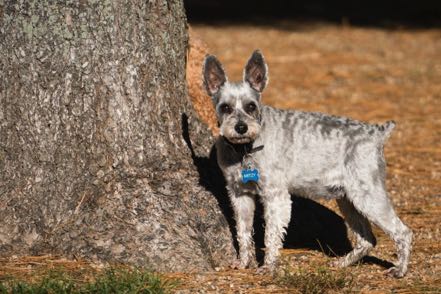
[386, 129]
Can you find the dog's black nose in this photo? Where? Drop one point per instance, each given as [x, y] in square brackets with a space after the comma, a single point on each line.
[241, 128]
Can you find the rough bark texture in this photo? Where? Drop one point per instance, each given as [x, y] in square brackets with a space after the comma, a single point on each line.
[93, 117]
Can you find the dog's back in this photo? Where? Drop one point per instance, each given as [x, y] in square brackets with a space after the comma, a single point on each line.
[313, 153]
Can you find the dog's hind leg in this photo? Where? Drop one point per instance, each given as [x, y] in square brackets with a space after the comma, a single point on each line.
[360, 226]
[374, 204]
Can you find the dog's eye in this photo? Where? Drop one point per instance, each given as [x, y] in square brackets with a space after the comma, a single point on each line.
[250, 107]
[225, 108]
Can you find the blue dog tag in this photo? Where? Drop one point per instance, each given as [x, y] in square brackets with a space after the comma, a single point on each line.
[250, 175]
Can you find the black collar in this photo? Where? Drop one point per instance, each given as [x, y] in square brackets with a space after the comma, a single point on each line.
[243, 149]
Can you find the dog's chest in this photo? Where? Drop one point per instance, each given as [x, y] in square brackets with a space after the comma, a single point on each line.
[234, 176]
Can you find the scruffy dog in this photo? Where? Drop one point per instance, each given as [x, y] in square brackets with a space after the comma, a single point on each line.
[270, 153]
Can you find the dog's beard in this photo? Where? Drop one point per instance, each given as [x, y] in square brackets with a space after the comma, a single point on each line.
[239, 140]
[235, 138]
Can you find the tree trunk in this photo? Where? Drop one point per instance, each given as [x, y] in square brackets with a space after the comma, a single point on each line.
[93, 161]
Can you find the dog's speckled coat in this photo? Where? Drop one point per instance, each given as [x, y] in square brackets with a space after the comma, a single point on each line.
[308, 154]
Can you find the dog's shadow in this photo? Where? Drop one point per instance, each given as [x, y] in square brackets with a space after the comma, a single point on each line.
[312, 226]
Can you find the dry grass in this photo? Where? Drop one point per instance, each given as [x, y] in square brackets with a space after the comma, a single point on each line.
[321, 280]
[50, 274]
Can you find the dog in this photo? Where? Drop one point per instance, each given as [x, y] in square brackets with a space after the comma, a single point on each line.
[269, 154]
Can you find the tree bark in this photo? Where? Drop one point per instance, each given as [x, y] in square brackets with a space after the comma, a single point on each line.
[93, 161]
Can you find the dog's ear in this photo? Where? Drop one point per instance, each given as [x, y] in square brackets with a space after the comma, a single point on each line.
[256, 72]
[214, 75]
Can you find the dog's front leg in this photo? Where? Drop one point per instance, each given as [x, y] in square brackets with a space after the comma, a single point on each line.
[244, 207]
[277, 213]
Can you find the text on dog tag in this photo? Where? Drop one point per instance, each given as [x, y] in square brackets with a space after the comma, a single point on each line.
[250, 175]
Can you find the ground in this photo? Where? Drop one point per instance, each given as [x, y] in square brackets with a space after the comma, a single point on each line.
[371, 74]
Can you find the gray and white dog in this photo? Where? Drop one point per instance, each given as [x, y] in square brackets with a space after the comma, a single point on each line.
[270, 153]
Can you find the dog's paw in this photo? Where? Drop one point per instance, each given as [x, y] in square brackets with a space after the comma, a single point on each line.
[253, 264]
[266, 270]
[338, 263]
[395, 272]
[236, 264]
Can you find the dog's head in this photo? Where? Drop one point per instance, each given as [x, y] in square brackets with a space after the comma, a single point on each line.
[237, 104]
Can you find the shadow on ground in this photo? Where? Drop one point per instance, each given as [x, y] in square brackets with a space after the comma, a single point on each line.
[313, 226]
